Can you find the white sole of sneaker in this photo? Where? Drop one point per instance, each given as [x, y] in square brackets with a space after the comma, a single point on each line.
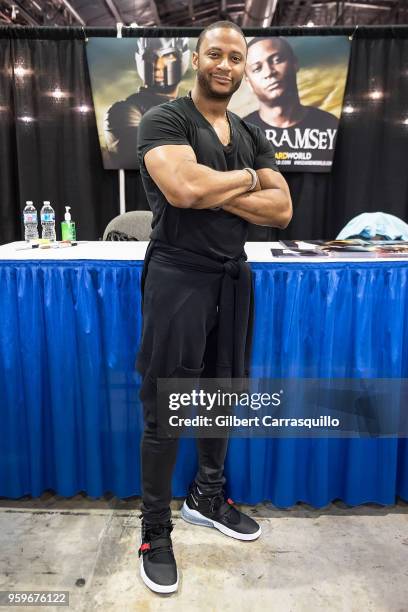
[196, 518]
[157, 588]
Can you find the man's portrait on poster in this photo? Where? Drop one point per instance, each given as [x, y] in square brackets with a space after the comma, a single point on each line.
[271, 74]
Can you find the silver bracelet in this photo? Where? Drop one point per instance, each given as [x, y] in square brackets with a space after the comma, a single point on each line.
[254, 178]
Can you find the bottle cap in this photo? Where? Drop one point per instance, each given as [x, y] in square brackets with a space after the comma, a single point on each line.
[67, 215]
[29, 202]
[46, 202]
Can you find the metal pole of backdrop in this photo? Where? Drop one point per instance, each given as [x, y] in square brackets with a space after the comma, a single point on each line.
[121, 173]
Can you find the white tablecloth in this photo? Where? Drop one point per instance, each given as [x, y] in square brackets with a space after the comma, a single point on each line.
[135, 251]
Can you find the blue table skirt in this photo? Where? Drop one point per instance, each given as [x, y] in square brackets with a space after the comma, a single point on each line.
[69, 411]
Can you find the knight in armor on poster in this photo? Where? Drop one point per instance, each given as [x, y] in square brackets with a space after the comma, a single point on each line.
[161, 64]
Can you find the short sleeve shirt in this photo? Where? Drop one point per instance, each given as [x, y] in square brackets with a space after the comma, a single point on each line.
[215, 233]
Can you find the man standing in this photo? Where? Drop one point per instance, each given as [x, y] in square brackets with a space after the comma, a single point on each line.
[206, 174]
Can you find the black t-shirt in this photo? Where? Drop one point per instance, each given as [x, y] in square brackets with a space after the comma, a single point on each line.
[314, 118]
[217, 234]
[318, 123]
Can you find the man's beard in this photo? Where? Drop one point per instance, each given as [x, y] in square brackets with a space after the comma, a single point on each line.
[210, 93]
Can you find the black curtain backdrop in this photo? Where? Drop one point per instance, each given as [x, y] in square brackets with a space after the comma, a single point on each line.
[49, 149]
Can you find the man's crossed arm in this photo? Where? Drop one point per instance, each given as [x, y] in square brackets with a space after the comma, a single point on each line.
[188, 184]
[270, 206]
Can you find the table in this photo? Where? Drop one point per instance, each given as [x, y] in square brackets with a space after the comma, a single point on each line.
[69, 409]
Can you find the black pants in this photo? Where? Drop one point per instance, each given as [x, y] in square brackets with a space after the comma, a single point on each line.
[179, 339]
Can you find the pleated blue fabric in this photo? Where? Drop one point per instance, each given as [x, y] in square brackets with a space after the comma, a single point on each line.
[70, 417]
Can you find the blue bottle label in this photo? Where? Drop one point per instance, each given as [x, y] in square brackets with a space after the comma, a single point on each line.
[45, 217]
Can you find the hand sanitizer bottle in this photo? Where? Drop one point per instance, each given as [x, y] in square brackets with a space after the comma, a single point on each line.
[67, 226]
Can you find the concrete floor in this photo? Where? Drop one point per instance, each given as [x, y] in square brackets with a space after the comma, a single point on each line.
[307, 560]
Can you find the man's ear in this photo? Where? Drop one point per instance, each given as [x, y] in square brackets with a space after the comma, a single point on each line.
[194, 60]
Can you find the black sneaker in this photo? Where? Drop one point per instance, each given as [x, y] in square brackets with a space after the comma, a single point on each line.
[158, 567]
[219, 513]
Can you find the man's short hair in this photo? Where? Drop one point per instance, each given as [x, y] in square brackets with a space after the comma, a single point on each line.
[285, 44]
[219, 24]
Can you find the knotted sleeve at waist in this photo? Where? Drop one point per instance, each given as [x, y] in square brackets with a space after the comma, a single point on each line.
[235, 306]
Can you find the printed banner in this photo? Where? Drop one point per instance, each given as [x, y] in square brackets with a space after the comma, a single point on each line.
[293, 90]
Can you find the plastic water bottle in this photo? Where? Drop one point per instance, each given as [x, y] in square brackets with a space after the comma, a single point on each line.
[48, 221]
[30, 220]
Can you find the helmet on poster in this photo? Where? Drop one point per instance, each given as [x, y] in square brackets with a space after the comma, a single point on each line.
[175, 54]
